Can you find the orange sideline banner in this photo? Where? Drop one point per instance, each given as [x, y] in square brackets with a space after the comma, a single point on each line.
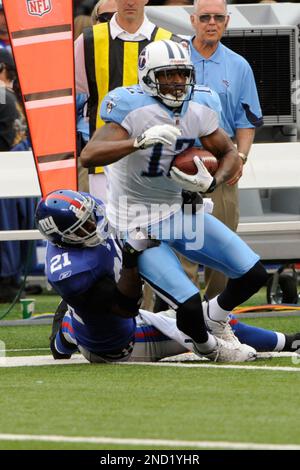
[41, 35]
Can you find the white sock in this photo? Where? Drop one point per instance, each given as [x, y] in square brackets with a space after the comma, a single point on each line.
[280, 342]
[216, 312]
[206, 347]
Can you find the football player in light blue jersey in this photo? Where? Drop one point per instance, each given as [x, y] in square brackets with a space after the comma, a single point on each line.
[146, 127]
[84, 267]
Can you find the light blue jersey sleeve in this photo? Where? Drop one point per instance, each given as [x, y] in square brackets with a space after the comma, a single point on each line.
[208, 97]
[118, 103]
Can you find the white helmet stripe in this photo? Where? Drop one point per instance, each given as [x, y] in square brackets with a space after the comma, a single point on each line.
[180, 50]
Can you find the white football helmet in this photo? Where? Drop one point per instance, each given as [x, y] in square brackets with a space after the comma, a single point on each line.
[163, 56]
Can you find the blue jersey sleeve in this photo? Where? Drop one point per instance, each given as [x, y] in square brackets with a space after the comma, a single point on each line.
[248, 111]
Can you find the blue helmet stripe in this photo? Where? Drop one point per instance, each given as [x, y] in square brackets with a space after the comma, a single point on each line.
[170, 50]
[180, 51]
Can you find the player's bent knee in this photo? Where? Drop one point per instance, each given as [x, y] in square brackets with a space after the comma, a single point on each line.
[257, 274]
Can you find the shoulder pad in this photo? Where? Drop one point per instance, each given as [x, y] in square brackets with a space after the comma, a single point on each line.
[202, 89]
[118, 103]
[208, 97]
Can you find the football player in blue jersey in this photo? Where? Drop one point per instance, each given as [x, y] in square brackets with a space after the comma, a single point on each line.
[102, 287]
[100, 284]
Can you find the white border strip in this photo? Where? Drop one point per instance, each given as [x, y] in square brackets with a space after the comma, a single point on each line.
[150, 442]
[49, 102]
[58, 164]
[42, 38]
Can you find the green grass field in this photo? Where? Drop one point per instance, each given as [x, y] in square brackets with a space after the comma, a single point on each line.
[171, 403]
[48, 301]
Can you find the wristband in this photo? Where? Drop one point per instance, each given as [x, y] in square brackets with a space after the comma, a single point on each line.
[243, 156]
[212, 186]
[129, 256]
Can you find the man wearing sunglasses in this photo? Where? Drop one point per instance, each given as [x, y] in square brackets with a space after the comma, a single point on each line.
[106, 57]
[230, 75]
[103, 11]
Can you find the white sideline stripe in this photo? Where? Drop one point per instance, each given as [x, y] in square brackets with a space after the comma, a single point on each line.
[150, 442]
[42, 38]
[19, 350]
[22, 361]
[179, 358]
[49, 102]
[213, 366]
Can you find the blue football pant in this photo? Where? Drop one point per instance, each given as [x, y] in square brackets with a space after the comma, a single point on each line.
[157, 337]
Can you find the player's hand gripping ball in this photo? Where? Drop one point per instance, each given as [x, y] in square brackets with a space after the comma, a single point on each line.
[184, 161]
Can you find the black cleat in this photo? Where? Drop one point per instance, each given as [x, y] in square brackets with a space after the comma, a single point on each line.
[292, 342]
[56, 324]
[58, 318]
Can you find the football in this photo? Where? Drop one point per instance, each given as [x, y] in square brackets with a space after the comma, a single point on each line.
[184, 161]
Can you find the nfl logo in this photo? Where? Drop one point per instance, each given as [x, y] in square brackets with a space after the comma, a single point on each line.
[38, 7]
[109, 106]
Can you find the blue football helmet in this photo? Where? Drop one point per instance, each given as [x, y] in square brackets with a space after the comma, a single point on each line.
[69, 218]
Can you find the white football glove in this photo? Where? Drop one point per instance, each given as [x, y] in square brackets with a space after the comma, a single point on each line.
[201, 181]
[134, 246]
[208, 205]
[139, 241]
[164, 134]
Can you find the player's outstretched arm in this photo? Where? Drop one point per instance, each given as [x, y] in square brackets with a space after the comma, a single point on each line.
[128, 294]
[108, 145]
[111, 142]
[219, 144]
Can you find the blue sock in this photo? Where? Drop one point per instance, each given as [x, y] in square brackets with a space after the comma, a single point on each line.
[260, 339]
